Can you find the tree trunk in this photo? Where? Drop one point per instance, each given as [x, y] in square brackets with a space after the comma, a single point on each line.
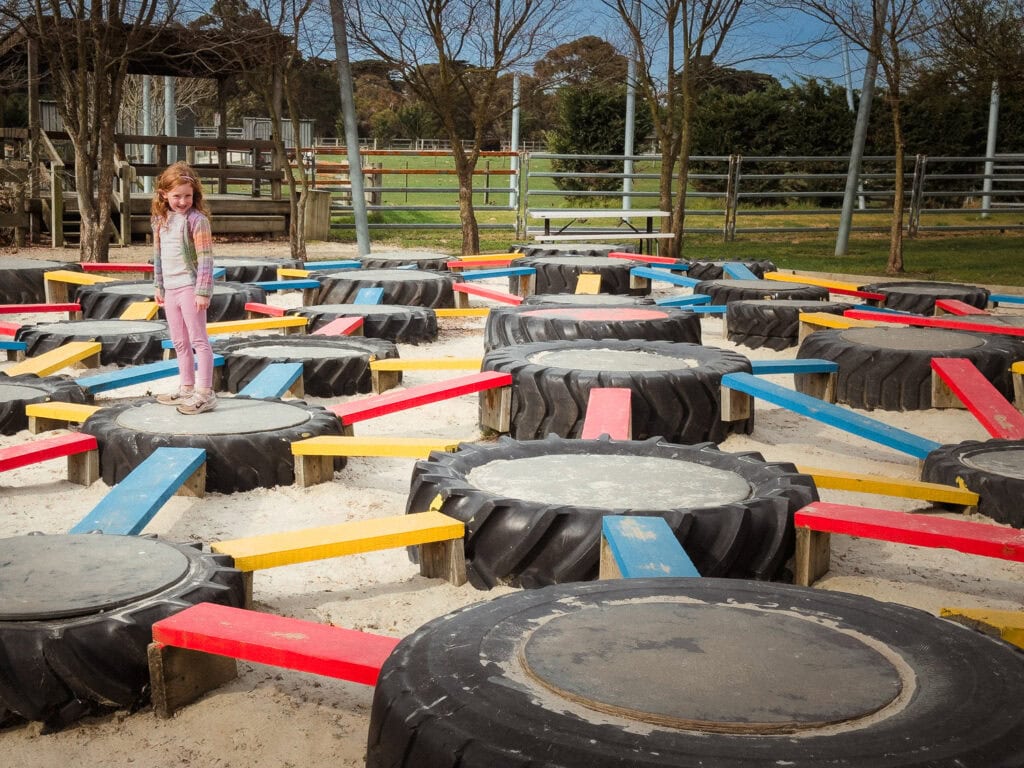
[689, 100]
[895, 263]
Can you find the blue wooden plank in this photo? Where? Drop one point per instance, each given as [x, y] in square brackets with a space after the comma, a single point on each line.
[14, 346]
[133, 502]
[409, 266]
[286, 285]
[136, 374]
[483, 274]
[738, 271]
[645, 547]
[800, 365]
[684, 301]
[273, 381]
[709, 309]
[369, 296]
[219, 272]
[830, 414]
[319, 266]
[668, 277]
[674, 266]
[995, 299]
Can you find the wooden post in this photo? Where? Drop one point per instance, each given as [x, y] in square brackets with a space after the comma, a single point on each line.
[34, 128]
[811, 561]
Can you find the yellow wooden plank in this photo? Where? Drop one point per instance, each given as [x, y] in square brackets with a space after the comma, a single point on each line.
[255, 324]
[76, 412]
[490, 257]
[430, 364]
[353, 445]
[829, 320]
[56, 359]
[287, 548]
[887, 486]
[286, 272]
[822, 282]
[588, 283]
[1008, 625]
[462, 312]
[1017, 367]
[77, 278]
[140, 310]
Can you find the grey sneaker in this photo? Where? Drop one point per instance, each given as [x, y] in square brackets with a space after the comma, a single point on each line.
[198, 403]
[175, 398]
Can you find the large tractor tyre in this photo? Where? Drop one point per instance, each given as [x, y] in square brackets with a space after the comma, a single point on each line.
[586, 299]
[696, 673]
[429, 260]
[533, 509]
[22, 281]
[559, 274]
[77, 618]
[521, 325]
[398, 324]
[255, 270]
[919, 296]
[122, 342]
[676, 388]
[890, 368]
[574, 249]
[993, 469]
[331, 365]
[247, 440]
[715, 270]
[412, 287]
[774, 324]
[18, 391]
[728, 291]
[106, 301]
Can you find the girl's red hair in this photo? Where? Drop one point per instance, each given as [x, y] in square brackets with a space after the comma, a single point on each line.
[175, 175]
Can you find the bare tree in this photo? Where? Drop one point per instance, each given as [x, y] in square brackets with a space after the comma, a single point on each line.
[189, 93]
[889, 31]
[87, 48]
[451, 54]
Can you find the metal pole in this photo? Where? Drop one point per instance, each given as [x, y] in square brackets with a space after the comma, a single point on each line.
[348, 110]
[170, 117]
[848, 79]
[147, 129]
[990, 149]
[628, 141]
[513, 182]
[860, 133]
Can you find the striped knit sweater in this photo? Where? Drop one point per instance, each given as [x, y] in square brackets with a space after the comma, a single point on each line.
[196, 247]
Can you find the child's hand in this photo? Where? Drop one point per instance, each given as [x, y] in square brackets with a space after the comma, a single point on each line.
[159, 296]
[202, 303]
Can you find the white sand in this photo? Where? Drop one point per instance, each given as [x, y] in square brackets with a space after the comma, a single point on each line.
[272, 718]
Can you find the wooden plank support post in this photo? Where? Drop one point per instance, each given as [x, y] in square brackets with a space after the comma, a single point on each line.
[957, 382]
[195, 651]
[635, 547]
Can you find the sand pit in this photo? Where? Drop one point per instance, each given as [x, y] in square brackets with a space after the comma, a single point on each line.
[272, 718]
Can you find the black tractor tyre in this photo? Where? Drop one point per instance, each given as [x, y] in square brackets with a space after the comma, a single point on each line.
[993, 469]
[575, 249]
[919, 296]
[715, 270]
[413, 287]
[236, 460]
[397, 323]
[22, 281]
[255, 270]
[331, 365]
[890, 368]
[586, 299]
[774, 324]
[533, 678]
[430, 260]
[728, 291]
[106, 301]
[122, 342]
[522, 325]
[534, 538]
[88, 659]
[677, 396]
[18, 391]
[559, 274]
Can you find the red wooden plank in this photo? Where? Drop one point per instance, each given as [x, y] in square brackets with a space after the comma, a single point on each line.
[487, 293]
[608, 413]
[933, 322]
[918, 530]
[998, 417]
[866, 295]
[93, 266]
[458, 264]
[642, 257]
[12, 309]
[264, 638]
[35, 451]
[264, 309]
[341, 326]
[9, 329]
[957, 307]
[390, 402]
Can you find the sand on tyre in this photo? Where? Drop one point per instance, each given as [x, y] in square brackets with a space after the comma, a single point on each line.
[415, 287]
[695, 673]
[676, 387]
[106, 301]
[122, 342]
[401, 324]
[22, 281]
[919, 296]
[430, 260]
[76, 615]
[533, 508]
[559, 273]
[18, 391]
[728, 291]
[993, 469]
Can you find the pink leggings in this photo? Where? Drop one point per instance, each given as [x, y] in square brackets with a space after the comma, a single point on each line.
[187, 326]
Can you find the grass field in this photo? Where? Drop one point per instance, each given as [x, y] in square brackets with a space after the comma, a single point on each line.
[995, 256]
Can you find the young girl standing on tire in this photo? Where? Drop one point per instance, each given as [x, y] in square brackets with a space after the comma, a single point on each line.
[183, 278]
